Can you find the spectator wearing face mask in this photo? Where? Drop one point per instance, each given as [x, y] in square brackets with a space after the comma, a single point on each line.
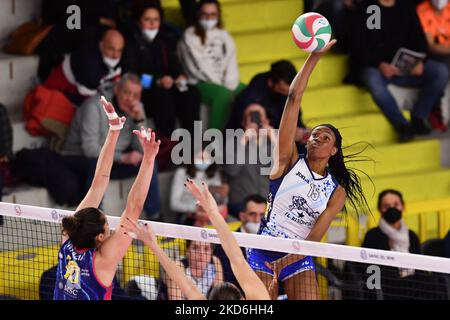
[393, 234]
[208, 55]
[203, 169]
[151, 54]
[250, 217]
[84, 72]
[434, 16]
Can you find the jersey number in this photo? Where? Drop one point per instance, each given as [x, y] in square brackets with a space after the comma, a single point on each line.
[314, 192]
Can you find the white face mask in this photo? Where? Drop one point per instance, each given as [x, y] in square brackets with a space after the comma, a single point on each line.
[202, 166]
[439, 4]
[251, 227]
[110, 62]
[208, 24]
[150, 34]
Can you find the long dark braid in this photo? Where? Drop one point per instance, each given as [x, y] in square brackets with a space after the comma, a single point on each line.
[347, 177]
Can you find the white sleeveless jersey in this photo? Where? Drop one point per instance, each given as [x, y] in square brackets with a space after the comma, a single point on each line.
[296, 201]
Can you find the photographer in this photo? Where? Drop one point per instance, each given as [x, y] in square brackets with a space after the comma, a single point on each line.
[246, 178]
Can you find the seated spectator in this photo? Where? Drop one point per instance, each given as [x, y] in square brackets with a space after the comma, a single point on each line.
[435, 17]
[393, 234]
[372, 53]
[199, 265]
[203, 169]
[250, 217]
[88, 131]
[83, 72]
[270, 90]
[208, 54]
[96, 17]
[246, 178]
[166, 95]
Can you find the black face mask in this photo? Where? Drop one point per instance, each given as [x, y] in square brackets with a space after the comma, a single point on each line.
[392, 215]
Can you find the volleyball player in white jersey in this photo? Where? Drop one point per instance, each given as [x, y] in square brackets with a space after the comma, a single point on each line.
[306, 193]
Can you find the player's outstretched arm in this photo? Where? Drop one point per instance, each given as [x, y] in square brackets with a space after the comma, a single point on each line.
[175, 273]
[252, 286]
[105, 160]
[286, 152]
[114, 248]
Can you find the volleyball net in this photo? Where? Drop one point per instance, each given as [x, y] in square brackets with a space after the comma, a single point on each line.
[30, 238]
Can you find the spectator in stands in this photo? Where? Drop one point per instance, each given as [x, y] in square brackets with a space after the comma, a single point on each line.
[208, 54]
[250, 218]
[199, 265]
[151, 54]
[269, 89]
[434, 16]
[88, 131]
[203, 169]
[371, 57]
[83, 72]
[245, 177]
[96, 17]
[393, 234]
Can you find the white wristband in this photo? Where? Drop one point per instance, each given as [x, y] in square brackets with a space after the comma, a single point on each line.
[112, 116]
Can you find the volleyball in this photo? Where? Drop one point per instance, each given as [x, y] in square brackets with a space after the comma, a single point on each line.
[311, 32]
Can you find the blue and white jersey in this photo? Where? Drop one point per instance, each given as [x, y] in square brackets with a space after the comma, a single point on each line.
[296, 200]
[75, 276]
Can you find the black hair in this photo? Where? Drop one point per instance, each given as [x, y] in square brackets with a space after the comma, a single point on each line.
[345, 176]
[84, 226]
[199, 31]
[282, 70]
[386, 192]
[146, 5]
[224, 291]
[255, 198]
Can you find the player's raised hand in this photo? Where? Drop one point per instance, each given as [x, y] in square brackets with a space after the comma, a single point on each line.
[115, 123]
[326, 49]
[140, 232]
[204, 197]
[147, 138]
